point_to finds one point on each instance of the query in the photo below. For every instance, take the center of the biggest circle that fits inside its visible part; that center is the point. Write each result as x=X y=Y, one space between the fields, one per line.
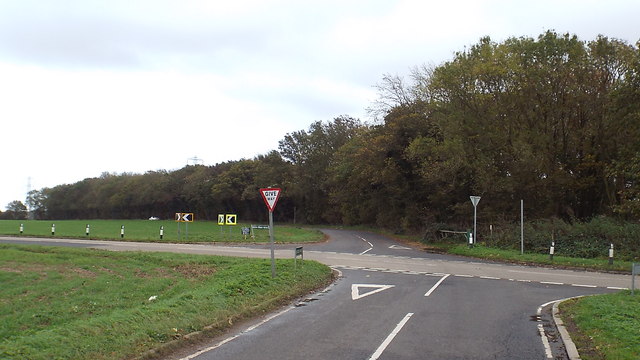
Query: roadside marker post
x=122 y=232
x=300 y=252
x=611 y=255
x=86 y=230
x=552 y=250
x=161 y=232
x=53 y=229
x=21 y=228
x=270 y=197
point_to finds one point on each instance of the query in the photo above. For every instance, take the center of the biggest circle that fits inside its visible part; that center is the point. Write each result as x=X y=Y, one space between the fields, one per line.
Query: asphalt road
x=394 y=302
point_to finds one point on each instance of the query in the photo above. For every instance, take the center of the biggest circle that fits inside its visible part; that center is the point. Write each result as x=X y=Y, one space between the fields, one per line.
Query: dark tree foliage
x=554 y=121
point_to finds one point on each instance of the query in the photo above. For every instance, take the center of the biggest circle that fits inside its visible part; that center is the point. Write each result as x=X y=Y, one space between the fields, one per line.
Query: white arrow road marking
x=355 y=290
x=398 y=247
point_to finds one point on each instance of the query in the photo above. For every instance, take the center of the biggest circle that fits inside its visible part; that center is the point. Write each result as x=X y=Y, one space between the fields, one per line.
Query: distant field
x=147 y=230
x=69 y=303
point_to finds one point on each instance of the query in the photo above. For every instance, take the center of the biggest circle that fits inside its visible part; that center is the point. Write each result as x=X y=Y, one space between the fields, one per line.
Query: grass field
x=607 y=325
x=145 y=230
x=66 y=303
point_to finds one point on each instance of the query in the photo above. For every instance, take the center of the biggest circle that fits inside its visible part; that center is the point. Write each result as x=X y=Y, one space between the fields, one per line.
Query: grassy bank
x=64 y=303
x=605 y=326
x=145 y=230
x=513 y=256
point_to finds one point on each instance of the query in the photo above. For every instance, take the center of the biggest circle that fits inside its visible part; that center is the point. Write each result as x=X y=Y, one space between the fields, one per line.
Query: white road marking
x=390 y=338
x=586 y=286
x=434 y=287
x=616 y=288
x=366 y=251
x=543 y=335
x=355 y=290
x=489 y=277
x=370 y=245
x=398 y=247
x=462 y=275
x=551 y=283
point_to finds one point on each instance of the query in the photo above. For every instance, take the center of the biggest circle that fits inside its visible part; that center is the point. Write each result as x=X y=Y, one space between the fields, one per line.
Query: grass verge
x=513 y=256
x=145 y=230
x=605 y=326
x=66 y=303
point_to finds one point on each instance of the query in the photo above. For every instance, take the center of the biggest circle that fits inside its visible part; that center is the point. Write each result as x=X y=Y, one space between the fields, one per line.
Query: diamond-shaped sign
x=270 y=197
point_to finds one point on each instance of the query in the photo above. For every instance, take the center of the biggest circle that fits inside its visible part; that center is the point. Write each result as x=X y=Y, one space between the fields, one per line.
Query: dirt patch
x=11 y=270
x=82 y=272
x=195 y=270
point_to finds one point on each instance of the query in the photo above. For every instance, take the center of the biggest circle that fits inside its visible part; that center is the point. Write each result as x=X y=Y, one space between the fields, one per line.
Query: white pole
x=475 y=236
x=521 y=227
x=273 y=262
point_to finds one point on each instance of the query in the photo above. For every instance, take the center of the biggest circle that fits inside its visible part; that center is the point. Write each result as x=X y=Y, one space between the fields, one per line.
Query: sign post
x=475 y=200
x=270 y=197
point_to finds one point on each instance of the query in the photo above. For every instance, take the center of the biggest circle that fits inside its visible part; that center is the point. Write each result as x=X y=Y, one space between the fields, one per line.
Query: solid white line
x=436 y=285
x=586 y=286
x=389 y=338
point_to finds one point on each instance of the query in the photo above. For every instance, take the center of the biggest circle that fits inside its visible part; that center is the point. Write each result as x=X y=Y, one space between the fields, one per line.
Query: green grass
x=607 y=325
x=481 y=251
x=66 y=303
x=145 y=230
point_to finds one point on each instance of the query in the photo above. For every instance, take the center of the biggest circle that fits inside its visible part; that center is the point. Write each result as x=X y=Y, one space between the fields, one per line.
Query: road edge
x=569 y=345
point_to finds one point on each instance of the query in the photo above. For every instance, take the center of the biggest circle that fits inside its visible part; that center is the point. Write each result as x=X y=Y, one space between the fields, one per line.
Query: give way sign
x=270 y=197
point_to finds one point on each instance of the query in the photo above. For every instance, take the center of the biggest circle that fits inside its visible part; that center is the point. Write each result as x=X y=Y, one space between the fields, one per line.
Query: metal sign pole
x=273 y=262
x=475 y=235
x=521 y=227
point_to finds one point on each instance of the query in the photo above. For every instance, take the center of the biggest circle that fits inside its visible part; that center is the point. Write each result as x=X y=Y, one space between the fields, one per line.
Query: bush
x=581 y=239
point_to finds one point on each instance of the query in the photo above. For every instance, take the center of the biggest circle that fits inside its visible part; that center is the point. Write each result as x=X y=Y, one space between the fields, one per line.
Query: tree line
x=552 y=120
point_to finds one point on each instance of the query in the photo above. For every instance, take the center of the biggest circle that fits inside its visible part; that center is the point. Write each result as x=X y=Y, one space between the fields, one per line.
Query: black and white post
x=122 y=232
x=552 y=249
x=611 y=255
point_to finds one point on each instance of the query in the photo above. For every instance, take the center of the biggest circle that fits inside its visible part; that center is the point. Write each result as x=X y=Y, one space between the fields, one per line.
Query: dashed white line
x=551 y=283
x=464 y=276
x=489 y=277
x=585 y=286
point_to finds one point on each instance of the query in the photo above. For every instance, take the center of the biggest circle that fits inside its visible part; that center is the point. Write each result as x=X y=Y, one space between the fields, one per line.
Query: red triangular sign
x=270 y=197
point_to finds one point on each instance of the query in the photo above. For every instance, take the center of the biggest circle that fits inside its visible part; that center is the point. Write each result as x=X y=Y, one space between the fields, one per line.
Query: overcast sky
x=91 y=86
